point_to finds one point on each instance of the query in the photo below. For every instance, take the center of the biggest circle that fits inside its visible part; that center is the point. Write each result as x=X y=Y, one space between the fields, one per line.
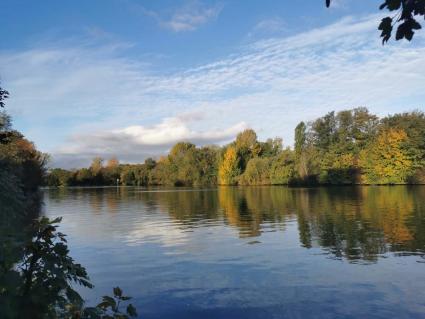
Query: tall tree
x=247 y=147
x=300 y=144
x=229 y=168
x=300 y=138
x=183 y=164
x=324 y=129
x=96 y=165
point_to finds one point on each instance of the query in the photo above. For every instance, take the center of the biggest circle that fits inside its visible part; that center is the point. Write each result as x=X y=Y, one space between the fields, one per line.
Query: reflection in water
x=215 y=252
x=353 y=223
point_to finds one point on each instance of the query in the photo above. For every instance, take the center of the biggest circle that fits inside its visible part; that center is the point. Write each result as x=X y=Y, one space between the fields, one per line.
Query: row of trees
x=348 y=147
x=355 y=146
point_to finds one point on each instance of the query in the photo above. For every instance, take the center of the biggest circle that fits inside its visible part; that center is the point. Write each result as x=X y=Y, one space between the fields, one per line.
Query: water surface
x=253 y=252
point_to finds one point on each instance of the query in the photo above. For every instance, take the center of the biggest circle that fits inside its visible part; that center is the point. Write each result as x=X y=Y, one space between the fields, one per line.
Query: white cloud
x=136 y=143
x=339 y=4
x=267 y=27
x=187 y=18
x=270 y=84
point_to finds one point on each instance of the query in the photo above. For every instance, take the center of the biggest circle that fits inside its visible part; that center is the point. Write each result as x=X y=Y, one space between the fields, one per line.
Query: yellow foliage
x=343 y=161
x=229 y=170
x=385 y=160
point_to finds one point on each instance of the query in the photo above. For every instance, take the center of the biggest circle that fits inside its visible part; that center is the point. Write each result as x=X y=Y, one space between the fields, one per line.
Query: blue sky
x=129 y=78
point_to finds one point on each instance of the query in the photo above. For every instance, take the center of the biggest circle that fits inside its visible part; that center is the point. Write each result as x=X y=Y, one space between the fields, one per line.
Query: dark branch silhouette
x=404 y=19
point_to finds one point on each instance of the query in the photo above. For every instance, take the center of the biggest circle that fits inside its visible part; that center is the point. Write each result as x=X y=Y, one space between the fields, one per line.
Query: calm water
x=266 y=252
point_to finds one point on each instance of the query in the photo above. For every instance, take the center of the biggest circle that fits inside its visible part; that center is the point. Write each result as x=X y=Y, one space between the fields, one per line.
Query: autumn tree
x=229 y=167
x=111 y=171
x=386 y=160
x=413 y=123
x=332 y=149
x=96 y=168
x=127 y=176
x=96 y=165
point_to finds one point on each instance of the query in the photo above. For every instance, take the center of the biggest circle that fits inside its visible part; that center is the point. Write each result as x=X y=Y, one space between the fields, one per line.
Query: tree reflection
x=353 y=223
x=358 y=224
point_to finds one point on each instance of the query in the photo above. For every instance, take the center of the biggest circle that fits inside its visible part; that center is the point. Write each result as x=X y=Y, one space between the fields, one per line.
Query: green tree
x=300 y=138
x=84 y=177
x=150 y=163
x=127 y=176
x=59 y=177
x=300 y=145
x=257 y=172
x=247 y=147
x=364 y=128
x=207 y=165
x=323 y=131
x=96 y=165
x=111 y=171
x=271 y=147
x=96 y=170
x=282 y=168
x=182 y=161
x=161 y=173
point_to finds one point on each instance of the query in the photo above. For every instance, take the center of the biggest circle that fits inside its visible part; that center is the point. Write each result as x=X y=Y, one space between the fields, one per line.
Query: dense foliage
x=36 y=272
x=21 y=165
x=37 y=278
x=348 y=147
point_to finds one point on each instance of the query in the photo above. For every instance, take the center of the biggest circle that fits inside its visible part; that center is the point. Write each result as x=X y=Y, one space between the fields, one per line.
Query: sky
x=130 y=78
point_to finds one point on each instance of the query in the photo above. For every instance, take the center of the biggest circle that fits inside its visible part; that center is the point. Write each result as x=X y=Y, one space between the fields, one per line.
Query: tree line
x=346 y=147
